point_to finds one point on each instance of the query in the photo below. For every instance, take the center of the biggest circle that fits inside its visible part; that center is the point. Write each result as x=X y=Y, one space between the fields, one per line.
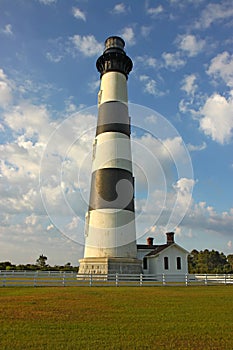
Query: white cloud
x=77 y=13
x=221 y=66
x=7 y=30
x=149 y=85
x=88 y=45
x=73 y=224
x=47 y=2
x=145 y=31
x=173 y=61
x=31 y=220
x=229 y=244
x=119 y=8
x=184 y=185
x=147 y=61
x=128 y=35
x=215 y=12
x=31 y=120
x=217 y=121
x=207 y=219
x=94 y=85
x=5 y=90
x=190 y=44
x=192 y=148
x=154 y=11
x=53 y=58
x=188 y=84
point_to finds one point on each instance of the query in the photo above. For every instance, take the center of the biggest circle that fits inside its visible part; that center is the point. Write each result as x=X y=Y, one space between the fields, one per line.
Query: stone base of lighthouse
x=109 y=265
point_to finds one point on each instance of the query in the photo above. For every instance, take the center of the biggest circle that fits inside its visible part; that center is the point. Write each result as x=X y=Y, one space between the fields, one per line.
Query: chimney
x=149 y=240
x=170 y=237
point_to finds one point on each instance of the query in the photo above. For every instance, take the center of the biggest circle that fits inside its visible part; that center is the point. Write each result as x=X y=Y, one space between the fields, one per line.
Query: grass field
x=116 y=318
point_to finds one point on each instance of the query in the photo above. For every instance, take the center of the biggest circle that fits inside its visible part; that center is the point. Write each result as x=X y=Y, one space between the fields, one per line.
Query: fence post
x=164 y=280
x=64 y=279
x=90 y=279
x=186 y=279
x=36 y=272
x=4 y=280
x=206 y=280
x=225 y=279
x=117 y=281
x=141 y=279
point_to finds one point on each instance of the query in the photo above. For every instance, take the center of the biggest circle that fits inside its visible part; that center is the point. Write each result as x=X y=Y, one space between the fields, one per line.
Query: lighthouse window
x=166 y=267
x=178 y=263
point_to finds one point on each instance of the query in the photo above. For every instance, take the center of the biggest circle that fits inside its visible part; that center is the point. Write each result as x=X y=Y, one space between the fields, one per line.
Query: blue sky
x=183 y=78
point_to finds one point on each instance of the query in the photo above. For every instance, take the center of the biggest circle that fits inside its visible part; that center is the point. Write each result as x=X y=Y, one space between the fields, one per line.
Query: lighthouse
x=110 y=233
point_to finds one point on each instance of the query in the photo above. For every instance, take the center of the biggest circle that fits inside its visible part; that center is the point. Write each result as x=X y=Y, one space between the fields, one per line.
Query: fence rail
x=57 y=278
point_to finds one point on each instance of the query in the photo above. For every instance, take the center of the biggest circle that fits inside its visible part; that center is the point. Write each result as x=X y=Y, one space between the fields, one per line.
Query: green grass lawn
x=116 y=318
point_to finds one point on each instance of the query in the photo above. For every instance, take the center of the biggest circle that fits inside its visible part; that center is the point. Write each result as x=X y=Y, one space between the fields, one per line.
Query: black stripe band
x=113 y=116
x=117 y=127
x=112 y=188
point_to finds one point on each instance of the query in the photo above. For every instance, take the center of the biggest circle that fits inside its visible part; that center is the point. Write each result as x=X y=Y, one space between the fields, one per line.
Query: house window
x=166 y=263
x=145 y=263
x=178 y=263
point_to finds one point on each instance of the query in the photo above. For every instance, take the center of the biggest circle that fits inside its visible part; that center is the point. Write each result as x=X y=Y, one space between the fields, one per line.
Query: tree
x=4 y=265
x=208 y=262
x=41 y=261
x=230 y=261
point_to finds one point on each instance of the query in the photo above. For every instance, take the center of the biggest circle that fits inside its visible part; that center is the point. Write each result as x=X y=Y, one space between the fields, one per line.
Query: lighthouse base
x=110 y=266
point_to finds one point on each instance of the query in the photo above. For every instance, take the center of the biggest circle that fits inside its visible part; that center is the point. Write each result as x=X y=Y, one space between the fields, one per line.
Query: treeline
x=203 y=261
x=41 y=264
x=207 y=261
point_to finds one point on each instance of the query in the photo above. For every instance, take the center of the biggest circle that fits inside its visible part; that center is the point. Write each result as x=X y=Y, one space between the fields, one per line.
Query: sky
x=181 y=107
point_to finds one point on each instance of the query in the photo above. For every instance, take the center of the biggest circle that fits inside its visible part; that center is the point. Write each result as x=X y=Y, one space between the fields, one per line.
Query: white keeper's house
x=168 y=258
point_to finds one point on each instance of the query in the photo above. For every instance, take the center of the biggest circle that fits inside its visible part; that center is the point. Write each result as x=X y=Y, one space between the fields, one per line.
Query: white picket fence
x=57 y=278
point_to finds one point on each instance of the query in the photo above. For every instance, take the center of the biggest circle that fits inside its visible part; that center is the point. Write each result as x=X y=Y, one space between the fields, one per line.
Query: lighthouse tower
x=110 y=243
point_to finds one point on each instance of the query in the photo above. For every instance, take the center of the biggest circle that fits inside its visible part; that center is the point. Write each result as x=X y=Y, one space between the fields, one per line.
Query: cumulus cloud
x=193 y=148
x=173 y=61
x=215 y=12
x=47 y=2
x=119 y=8
x=217 y=121
x=30 y=120
x=128 y=35
x=147 y=61
x=5 y=90
x=145 y=31
x=53 y=58
x=34 y=136
x=190 y=44
x=154 y=11
x=178 y=209
x=150 y=85
x=7 y=30
x=221 y=66
x=188 y=84
x=206 y=218
x=94 y=85
x=87 y=45
x=77 y=13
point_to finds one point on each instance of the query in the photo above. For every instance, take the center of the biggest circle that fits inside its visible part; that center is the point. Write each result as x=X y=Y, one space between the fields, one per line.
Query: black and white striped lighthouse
x=110 y=244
